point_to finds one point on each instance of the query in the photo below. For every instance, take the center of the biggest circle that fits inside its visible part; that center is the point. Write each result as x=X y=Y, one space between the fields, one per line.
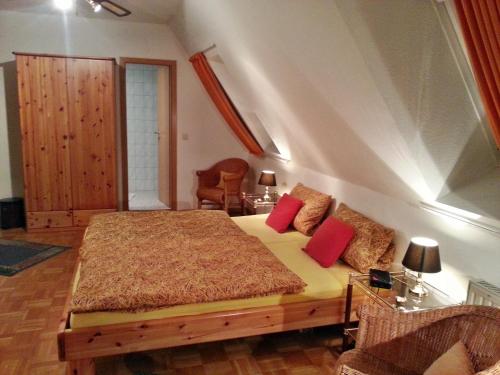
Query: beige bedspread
x=135 y=261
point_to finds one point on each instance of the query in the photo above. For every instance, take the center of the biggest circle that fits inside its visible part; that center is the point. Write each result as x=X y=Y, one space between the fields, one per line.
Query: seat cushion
x=211 y=193
x=223 y=174
x=455 y=360
x=366 y=363
x=370 y=243
x=329 y=241
x=315 y=206
x=283 y=214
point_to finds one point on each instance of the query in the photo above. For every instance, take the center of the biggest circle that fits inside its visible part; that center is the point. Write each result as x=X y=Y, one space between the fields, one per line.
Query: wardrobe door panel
x=91 y=91
x=44 y=130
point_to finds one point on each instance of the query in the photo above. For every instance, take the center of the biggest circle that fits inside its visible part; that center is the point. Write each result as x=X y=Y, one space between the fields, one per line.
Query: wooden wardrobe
x=67 y=113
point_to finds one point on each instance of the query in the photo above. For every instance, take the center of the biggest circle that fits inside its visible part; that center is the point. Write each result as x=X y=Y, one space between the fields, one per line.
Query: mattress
x=322 y=283
x=255 y=225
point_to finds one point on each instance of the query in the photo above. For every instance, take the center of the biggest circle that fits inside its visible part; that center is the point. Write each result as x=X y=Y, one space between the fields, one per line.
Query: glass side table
x=254 y=204
x=398 y=298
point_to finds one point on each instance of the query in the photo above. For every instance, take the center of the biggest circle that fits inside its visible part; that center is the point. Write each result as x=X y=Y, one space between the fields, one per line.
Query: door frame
x=172 y=64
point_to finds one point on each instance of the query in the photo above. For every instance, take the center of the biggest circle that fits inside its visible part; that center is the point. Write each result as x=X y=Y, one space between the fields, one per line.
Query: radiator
x=483 y=293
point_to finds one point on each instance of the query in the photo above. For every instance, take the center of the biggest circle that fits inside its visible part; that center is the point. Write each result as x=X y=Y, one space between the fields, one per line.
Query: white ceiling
x=150 y=11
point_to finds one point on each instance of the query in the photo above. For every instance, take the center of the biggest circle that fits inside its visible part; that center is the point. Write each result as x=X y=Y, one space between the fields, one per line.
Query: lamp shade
x=422 y=255
x=267 y=178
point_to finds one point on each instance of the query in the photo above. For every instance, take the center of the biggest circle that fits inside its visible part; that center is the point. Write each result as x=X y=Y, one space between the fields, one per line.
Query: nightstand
x=254 y=204
x=398 y=298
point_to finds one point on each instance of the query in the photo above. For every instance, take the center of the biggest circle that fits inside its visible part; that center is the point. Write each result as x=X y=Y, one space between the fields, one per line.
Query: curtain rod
x=209 y=48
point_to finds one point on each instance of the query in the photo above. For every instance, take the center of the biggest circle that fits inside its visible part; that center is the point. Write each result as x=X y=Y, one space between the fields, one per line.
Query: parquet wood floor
x=31 y=304
x=290 y=353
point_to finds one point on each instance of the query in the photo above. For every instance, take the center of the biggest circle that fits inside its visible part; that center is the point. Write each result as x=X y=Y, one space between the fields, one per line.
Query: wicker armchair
x=208 y=180
x=397 y=343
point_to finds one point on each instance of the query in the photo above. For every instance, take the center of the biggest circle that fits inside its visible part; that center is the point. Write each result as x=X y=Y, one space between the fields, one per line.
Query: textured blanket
x=140 y=261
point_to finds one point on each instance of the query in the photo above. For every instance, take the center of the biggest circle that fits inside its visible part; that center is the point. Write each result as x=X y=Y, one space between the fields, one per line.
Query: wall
x=5 y=181
x=349 y=87
x=11 y=170
x=203 y=137
x=424 y=87
x=466 y=251
x=163 y=95
x=142 y=127
x=366 y=100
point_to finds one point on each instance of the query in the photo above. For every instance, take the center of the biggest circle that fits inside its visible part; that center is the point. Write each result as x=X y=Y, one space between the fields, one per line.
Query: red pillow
x=329 y=241
x=283 y=214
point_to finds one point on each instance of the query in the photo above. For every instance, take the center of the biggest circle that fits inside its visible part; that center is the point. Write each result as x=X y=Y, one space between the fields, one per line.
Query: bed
x=85 y=335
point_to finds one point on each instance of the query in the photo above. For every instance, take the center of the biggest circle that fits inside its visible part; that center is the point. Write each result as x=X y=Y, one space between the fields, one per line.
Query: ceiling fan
x=110 y=6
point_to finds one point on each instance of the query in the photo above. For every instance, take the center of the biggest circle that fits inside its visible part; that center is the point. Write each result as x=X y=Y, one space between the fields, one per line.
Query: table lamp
x=422 y=256
x=267 y=178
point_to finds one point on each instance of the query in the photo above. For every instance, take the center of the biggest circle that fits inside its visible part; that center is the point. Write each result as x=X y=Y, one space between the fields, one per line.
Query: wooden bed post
x=85 y=366
x=81 y=367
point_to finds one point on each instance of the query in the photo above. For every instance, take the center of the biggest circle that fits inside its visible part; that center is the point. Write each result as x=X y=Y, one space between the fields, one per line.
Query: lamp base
x=419 y=289
x=266 y=196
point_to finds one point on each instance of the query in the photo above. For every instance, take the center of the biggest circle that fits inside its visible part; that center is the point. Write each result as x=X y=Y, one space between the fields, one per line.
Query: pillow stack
x=304 y=207
x=349 y=235
x=283 y=214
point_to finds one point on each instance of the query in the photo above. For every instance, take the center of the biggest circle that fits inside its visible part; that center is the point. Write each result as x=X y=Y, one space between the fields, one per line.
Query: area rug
x=16 y=256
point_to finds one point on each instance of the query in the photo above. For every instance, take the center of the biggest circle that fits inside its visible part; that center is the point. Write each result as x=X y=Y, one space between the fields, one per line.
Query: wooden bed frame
x=80 y=346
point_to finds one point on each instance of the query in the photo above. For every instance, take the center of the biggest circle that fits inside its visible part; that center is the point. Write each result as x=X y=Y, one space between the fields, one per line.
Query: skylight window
x=251 y=118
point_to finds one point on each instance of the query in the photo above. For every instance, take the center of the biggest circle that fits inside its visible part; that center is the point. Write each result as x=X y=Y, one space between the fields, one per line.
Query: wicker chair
x=407 y=344
x=208 y=180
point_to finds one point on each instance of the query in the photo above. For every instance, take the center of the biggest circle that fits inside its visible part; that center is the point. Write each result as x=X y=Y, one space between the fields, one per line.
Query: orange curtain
x=224 y=104
x=480 y=22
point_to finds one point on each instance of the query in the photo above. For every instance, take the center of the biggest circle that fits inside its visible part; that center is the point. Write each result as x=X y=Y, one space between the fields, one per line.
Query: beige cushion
x=315 y=206
x=348 y=370
x=385 y=261
x=455 y=361
x=211 y=194
x=370 y=246
x=223 y=174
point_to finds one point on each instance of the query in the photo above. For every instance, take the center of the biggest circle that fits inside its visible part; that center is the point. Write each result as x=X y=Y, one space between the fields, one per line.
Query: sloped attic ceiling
x=366 y=91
